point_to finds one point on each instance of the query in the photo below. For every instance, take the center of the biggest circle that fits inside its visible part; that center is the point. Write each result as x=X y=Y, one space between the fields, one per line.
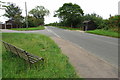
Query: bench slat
x=23 y=54
x=13 y=49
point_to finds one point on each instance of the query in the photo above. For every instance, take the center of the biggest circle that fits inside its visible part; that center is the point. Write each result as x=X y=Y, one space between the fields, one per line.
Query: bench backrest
x=21 y=53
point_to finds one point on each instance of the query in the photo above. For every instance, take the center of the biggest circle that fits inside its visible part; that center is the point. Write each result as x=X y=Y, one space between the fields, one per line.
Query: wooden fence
x=22 y=53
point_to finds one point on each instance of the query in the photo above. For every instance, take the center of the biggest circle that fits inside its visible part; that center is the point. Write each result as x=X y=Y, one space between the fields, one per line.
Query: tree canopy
x=70 y=14
x=39 y=12
x=11 y=11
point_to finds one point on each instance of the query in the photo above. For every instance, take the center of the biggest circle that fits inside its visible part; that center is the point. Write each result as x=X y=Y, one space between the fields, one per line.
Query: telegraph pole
x=26 y=18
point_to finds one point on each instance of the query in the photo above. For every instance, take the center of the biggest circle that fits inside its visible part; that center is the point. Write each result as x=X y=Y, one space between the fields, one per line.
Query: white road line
x=52 y=32
x=49 y=30
x=45 y=27
x=55 y=34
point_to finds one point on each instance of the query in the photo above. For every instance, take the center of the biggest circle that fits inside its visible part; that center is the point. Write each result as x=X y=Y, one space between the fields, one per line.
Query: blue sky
x=101 y=7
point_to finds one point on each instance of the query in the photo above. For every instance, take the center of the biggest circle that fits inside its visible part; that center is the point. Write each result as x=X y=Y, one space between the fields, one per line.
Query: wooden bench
x=22 y=53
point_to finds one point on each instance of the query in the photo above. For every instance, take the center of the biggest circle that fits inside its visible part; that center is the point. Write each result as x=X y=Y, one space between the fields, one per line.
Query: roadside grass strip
x=55 y=65
x=29 y=29
x=105 y=33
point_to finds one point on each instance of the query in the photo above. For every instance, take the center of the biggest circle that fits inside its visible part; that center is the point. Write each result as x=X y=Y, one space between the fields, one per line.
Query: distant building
x=89 y=25
x=8 y=25
x=2 y=26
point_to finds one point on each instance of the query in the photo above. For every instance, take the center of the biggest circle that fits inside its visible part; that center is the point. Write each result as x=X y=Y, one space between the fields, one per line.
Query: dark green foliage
x=114 y=23
x=95 y=18
x=70 y=14
x=104 y=25
x=38 y=14
x=13 y=12
x=33 y=22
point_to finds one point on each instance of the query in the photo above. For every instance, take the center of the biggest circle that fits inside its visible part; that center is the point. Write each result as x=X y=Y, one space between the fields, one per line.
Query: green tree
x=33 y=22
x=114 y=23
x=70 y=14
x=11 y=11
x=19 y=20
x=39 y=12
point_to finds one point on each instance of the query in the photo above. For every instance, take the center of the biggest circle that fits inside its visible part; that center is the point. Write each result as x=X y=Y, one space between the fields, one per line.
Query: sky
x=101 y=7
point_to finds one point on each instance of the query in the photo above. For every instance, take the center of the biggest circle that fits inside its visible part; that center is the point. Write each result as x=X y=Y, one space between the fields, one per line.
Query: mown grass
x=29 y=29
x=104 y=33
x=56 y=64
x=68 y=28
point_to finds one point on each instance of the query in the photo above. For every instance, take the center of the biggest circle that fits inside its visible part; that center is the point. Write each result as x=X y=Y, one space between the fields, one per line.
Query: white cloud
x=102 y=7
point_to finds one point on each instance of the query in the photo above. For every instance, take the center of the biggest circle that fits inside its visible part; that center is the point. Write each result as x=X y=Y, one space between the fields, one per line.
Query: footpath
x=85 y=64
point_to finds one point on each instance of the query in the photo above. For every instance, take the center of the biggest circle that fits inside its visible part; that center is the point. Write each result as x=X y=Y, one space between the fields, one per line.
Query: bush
x=33 y=22
x=98 y=20
x=113 y=24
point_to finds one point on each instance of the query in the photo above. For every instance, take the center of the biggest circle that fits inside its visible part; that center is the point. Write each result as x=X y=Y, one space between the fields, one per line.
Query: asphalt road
x=105 y=48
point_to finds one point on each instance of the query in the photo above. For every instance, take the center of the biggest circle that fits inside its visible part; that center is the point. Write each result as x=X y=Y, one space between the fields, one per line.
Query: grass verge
x=105 y=33
x=56 y=64
x=29 y=29
x=68 y=28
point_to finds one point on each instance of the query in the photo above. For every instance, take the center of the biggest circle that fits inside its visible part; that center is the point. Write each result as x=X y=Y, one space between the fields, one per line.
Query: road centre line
x=52 y=32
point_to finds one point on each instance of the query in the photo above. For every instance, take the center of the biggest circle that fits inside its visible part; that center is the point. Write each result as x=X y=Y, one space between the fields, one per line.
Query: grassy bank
x=68 y=28
x=29 y=29
x=56 y=64
x=105 y=33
